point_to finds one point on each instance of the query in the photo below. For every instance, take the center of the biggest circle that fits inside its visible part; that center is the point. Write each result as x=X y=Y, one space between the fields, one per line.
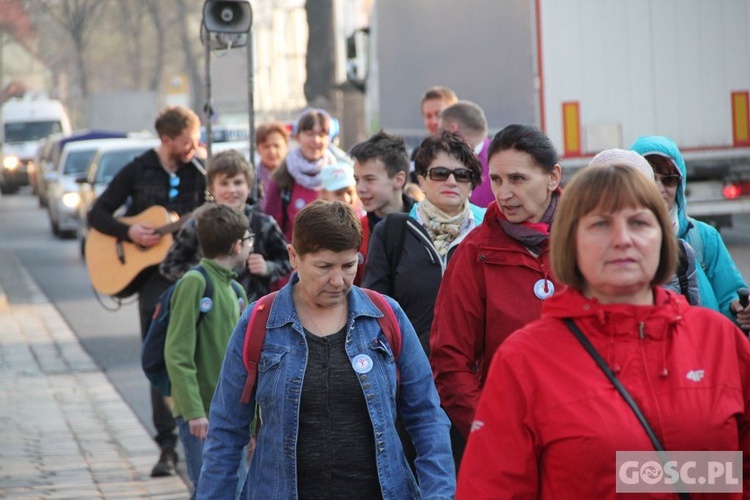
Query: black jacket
x=417 y=275
x=142 y=184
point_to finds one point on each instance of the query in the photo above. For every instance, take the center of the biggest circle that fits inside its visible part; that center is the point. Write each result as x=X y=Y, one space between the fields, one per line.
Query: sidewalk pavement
x=66 y=432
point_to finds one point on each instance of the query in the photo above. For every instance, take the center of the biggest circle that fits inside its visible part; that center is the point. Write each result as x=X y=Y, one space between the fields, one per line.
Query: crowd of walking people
x=440 y=344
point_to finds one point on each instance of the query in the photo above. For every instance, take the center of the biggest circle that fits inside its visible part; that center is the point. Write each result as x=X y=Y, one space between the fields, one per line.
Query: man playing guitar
x=169 y=176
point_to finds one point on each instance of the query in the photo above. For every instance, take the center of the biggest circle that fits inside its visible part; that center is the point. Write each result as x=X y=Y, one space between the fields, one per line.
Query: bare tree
x=189 y=33
x=159 y=49
x=77 y=18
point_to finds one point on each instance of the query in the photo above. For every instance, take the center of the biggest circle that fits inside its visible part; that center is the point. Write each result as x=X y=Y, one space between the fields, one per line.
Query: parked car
x=62 y=189
x=107 y=161
x=49 y=156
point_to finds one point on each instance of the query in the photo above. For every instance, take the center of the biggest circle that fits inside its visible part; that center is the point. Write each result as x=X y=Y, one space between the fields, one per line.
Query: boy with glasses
x=169 y=176
x=194 y=348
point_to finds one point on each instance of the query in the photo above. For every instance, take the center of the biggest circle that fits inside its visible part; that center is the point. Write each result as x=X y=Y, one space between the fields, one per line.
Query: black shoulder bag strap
x=620 y=388
x=395 y=235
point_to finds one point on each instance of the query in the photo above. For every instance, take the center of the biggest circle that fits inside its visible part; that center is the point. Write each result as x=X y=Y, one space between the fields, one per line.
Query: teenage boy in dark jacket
x=381 y=170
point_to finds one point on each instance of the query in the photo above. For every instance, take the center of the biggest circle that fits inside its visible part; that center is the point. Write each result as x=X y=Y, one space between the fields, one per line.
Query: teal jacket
x=194 y=355
x=718 y=276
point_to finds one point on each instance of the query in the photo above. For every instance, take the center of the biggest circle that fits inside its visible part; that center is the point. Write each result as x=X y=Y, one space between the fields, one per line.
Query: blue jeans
x=193 y=452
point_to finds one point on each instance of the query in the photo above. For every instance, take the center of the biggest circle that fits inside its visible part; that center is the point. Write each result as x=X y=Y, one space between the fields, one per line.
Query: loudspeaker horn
x=227 y=16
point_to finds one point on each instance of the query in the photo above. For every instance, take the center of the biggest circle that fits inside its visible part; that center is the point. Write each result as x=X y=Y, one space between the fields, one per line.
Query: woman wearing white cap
x=685 y=280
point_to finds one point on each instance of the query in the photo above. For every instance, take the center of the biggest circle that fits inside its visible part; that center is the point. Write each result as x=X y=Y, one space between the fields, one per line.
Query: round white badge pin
x=206 y=304
x=362 y=363
x=544 y=289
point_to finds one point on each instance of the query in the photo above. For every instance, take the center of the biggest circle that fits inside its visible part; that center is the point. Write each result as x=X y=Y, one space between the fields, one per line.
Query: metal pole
x=251 y=111
x=209 y=105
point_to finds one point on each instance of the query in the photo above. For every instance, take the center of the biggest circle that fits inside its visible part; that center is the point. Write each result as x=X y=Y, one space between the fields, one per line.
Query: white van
x=24 y=123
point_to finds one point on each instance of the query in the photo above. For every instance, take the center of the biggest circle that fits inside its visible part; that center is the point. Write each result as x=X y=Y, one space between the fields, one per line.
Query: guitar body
x=118 y=268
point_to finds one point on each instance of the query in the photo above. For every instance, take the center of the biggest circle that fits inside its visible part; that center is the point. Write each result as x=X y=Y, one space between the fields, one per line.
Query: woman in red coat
x=549 y=422
x=499 y=276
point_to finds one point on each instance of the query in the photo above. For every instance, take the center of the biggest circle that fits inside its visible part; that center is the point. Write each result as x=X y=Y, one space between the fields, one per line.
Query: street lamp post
x=230 y=22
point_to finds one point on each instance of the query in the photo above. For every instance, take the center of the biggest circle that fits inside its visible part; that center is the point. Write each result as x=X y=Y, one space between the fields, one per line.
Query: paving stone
x=67 y=433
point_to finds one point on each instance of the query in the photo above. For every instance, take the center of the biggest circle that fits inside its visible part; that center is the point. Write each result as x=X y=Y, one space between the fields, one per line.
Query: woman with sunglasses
x=447 y=171
x=718 y=276
x=500 y=276
x=408 y=254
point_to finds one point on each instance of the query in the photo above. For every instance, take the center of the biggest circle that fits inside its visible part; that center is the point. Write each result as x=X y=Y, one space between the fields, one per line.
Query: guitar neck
x=173 y=226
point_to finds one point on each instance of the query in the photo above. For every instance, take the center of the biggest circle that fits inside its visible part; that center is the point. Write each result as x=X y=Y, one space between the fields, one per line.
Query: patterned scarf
x=305 y=172
x=441 y=227
x=532 y=235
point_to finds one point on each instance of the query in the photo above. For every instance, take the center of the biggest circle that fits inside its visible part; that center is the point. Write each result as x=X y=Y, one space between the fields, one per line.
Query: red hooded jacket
x=549 y=421
x=487 y=293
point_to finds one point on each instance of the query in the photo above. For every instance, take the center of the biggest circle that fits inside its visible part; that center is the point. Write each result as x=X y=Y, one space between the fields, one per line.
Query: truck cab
x=24 y=123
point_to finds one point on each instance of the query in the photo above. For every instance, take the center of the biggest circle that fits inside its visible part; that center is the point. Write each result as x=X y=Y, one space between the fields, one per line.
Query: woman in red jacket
x=499 y=276
x=549 y=422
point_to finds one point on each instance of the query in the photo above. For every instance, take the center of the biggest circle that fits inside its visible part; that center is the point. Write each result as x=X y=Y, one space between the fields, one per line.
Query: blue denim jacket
x=281 y=371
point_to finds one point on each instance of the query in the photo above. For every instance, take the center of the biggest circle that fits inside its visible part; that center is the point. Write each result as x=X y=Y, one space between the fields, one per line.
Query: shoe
x=166 y=464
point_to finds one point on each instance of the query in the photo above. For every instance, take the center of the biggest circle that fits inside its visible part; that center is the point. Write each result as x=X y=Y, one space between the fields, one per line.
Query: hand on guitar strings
x=143 y=235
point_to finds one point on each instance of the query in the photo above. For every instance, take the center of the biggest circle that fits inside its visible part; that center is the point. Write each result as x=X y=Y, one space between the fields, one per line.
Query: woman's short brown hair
x=266 y=129
x=609 y=188
x=326 y=225
x=451 y=144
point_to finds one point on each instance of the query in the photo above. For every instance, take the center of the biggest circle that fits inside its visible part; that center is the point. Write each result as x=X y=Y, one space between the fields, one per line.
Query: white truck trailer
x=593 y=74
x=24 y=123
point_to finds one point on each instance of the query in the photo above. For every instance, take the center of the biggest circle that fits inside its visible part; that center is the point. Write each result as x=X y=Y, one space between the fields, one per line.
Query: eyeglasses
x=442 y=173
x=250 y=237
x=174 y=181
x=668 y=181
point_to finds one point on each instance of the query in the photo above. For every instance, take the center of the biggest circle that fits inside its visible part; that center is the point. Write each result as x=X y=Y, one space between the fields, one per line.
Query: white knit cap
x=622 y=157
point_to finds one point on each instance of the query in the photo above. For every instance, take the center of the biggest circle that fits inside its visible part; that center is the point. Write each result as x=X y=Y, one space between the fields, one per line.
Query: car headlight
x=10 y=162
x=71 y=200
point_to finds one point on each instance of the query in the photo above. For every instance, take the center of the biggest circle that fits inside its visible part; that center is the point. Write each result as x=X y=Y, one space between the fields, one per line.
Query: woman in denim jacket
x=327 y=388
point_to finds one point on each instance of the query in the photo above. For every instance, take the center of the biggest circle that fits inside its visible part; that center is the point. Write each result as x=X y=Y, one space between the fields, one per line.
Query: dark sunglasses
x=668 y=181
x=174 y=181
x=442 y=174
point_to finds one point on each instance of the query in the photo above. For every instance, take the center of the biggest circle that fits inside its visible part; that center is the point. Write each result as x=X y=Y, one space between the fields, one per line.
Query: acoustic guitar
x=117 y=267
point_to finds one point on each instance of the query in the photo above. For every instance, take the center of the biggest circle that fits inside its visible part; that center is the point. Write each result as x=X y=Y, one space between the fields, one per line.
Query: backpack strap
x=389 y=324
x=286 y=198
x=208 y=292
x=395 y=235
x=238 y=292
x=682 y=268
x=255 y=335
